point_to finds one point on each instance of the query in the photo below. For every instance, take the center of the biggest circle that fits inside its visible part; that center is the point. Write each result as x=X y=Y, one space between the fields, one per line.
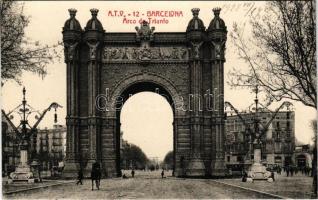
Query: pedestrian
x=133 y=173
x=96 y=175
x=244 y=178
x=162 y=173
x=287 y=171
x=291 y=171
x=273 y=175
x=39 y=173
x=80 y=176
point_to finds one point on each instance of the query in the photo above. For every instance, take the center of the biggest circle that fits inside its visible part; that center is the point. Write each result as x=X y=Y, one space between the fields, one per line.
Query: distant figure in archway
x=133 y=173
x=96 y=175
x=80 y=177
x=244 y=177
x=124 y=176
x=162 y=173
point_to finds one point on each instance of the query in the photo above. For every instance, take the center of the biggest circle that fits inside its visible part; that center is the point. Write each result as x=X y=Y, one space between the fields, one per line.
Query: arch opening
x=141 y=106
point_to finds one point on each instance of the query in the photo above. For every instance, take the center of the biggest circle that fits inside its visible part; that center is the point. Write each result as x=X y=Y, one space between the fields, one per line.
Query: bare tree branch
x=19 y=53
x=281 y=52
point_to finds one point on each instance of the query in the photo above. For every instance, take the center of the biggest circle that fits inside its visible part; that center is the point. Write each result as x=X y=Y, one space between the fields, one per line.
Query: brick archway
x=182 y=64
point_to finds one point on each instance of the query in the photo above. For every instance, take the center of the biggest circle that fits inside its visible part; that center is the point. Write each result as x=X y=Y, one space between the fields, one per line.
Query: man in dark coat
x=96 y=175
x=80 y=177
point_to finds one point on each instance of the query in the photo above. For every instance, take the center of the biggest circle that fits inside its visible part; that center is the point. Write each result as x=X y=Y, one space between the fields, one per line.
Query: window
x=288 y=125
x=277 y=125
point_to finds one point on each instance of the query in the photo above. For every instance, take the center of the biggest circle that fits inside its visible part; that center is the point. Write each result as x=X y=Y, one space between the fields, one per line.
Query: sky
x=47 y=20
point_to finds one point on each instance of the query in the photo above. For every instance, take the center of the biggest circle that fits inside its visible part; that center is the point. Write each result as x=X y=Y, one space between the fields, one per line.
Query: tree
x=168 y=160
x=314 y=128
x=280 y=52
x=19 y=53
x=133 y=153
x=314 y=162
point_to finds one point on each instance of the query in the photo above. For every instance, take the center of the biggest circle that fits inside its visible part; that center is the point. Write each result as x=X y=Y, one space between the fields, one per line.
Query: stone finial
x=72 y=12
x=195 y=11
x=216 y=11
x=94 y=12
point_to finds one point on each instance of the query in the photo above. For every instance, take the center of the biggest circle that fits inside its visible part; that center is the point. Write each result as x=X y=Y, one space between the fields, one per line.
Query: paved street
x=298 y=186
x=21 y=187
x=145 y=185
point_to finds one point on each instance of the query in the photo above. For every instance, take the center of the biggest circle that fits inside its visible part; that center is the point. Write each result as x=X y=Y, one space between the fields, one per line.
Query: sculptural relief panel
x=144 y=53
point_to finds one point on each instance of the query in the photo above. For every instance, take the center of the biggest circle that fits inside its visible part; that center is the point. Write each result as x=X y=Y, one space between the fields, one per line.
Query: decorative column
x=217 y=38
x=195 y=36
x=93 y=38
x=71 y=38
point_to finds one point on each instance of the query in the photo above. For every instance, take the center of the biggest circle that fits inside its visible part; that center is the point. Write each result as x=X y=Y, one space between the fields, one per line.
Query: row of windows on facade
x=267 y=115
x=277 y=159
x=266 y=148
x=233 y=137
x=237 y=126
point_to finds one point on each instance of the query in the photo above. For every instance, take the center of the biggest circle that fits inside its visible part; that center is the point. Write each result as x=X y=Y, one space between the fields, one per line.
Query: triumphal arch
x=105 y=68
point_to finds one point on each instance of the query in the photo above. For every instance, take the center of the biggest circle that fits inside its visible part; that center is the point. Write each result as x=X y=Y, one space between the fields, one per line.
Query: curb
x=35 y=188
x=249 y=189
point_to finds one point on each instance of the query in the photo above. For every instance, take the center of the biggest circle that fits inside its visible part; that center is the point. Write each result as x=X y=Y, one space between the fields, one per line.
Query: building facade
x=10 y=147
x=277 y=143
x=51 y=146
x=303 y=156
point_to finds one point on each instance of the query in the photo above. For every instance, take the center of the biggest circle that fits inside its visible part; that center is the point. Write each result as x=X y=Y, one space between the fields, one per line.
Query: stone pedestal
x=258 y=171
x=24 y=157
x=196 y=167
x=23 y=171
x=257 y=155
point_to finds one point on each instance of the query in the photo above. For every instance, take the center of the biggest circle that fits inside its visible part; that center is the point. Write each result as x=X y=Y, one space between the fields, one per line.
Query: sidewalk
x=22 y=187
x=298 y=186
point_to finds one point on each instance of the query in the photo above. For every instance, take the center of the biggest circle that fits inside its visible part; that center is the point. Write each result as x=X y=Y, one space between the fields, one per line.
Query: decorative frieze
x=145 y=53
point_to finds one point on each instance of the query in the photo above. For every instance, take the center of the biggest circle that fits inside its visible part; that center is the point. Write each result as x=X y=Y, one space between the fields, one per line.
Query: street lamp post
x=257 y=170
x=24 y=132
